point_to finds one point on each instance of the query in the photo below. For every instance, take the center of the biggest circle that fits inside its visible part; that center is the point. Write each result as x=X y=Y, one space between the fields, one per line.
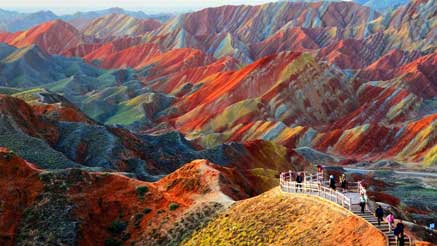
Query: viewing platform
x=315 y=184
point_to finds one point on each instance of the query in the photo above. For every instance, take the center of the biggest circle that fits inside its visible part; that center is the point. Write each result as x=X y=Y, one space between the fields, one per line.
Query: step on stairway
x=374 y=221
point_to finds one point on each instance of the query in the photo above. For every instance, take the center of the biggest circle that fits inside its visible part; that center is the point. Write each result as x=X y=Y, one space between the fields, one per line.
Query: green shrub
x=125 y=236
x=141 y=191
x=117 y=226
x=8 y=156
x=147 y=210
x=137 y=219
x=173 y=206
x=113 y=242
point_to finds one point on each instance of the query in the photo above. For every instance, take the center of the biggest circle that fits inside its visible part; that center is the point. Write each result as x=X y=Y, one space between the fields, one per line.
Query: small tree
x=173 y=206
x=8 y=156
x=141 y=191
x=117 y=226
x=113 y=242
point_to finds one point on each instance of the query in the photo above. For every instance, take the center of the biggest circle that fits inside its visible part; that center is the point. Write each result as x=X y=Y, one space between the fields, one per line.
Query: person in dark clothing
x=332 y=182
x=299 y=180
x=379 y=212
x=399 y=229
x=363 y=201
x=401 y=226
x=401 y=240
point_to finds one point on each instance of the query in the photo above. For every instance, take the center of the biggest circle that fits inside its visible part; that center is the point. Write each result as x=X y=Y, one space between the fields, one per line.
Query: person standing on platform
x=332 y=182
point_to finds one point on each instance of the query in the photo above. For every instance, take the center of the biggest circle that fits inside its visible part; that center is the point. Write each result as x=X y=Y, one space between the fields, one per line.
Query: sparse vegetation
x=137 y=219
x=173 y=206
x=275 y=219
x=141 y=191
x=8 y=156
x=113 y=242
x=117 y=226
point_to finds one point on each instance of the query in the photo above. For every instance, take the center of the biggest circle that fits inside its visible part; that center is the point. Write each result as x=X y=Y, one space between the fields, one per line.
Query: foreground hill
x=275 y=218
x=85 y=208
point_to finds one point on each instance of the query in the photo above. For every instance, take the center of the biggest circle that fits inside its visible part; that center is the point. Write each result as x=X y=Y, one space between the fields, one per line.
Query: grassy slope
x=274 y=218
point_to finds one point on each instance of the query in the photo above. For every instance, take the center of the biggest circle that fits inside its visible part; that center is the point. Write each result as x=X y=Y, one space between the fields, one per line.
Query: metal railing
x=315 y=184
x=312 y=186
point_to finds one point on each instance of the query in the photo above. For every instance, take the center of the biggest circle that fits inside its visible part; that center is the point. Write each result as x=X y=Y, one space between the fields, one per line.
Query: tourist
x=401 y=226
x=400 y=240
x=319 y=168
x=299 y=180
x=390 y=220
x=399 y=229
x=363 y=201
x=332 y=182
x=379 y=213
x=343 y=182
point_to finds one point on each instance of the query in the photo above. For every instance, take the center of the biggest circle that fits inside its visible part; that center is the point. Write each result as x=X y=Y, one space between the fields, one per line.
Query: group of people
x=379 y=212
x=299 y=178
x=343 y=182
x=398 y=230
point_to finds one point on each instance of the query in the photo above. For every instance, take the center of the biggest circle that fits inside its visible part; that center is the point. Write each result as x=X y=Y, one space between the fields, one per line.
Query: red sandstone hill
x=174 y=61
x=25 y=118
x=117 y=25
x=99 y=50
x=52 y=37
x=347 y=38
x=383 y=68
x=106 y=206
x=412 y=141
x=412 y=72
x=259 y=91
x=184 y=81
x=251 y=24
x=132 y=56
x=20 y=186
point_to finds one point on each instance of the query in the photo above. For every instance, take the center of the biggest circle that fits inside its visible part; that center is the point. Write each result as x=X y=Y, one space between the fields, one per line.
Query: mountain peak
x=50 y=36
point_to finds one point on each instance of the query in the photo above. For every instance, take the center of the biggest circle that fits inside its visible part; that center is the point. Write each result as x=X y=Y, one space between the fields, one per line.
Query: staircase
x=350 y=200
x=374 y=221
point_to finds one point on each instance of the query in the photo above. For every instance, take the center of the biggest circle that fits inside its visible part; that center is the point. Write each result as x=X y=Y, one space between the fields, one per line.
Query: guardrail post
x=288 y=186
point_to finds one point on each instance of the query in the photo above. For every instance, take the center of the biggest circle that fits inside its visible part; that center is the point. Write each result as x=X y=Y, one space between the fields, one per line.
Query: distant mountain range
x=12 y=21
x=378 y=5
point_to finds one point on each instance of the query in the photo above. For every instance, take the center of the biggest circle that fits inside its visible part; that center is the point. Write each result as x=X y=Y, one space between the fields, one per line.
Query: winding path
x=315 y=185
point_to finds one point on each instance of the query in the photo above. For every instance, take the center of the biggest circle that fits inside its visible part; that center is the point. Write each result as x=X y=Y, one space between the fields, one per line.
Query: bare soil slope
x=276 y=218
